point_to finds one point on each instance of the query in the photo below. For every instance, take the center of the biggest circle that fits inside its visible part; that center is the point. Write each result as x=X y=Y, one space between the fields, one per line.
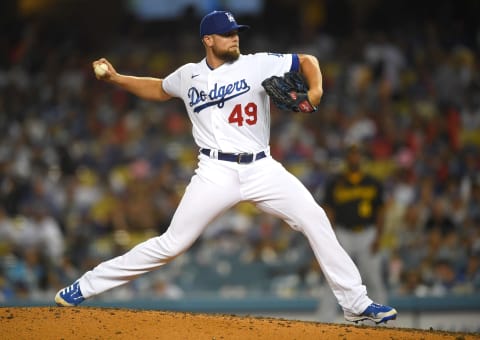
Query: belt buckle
x=241 y=155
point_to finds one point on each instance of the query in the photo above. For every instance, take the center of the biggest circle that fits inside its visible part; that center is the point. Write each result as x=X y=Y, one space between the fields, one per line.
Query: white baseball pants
x=217 y=186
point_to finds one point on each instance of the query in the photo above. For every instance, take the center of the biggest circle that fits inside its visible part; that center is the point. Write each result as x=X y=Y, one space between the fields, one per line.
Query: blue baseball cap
x=219 y=22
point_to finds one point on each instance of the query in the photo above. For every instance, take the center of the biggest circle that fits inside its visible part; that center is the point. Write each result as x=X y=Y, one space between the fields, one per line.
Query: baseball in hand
x=101 y=69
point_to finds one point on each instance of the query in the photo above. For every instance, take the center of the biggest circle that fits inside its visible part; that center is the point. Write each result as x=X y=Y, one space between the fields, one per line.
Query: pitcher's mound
x=106 y=323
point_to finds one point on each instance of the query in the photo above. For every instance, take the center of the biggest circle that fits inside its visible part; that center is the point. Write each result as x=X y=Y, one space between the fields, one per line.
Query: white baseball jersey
x=228 y=106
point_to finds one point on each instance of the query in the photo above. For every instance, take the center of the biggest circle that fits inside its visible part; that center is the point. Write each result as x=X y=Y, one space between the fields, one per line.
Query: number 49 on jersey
x=241 y=114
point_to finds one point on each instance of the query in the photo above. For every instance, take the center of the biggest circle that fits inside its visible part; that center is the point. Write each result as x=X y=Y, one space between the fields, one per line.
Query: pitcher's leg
x=340 y=271
x=283 y=195
x=199 y=206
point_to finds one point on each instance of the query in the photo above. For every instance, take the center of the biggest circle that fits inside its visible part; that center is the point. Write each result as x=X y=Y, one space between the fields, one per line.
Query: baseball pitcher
x=226 y=96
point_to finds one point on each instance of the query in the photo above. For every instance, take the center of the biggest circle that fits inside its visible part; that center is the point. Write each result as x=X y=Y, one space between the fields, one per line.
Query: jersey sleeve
x=172 y=84
x=276 y=64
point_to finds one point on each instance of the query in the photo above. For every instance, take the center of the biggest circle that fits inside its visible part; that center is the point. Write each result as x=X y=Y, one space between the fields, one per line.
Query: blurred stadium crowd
x=87 y=170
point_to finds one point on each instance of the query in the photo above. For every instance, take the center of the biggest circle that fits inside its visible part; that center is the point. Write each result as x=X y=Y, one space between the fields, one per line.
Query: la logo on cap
x=230 y=16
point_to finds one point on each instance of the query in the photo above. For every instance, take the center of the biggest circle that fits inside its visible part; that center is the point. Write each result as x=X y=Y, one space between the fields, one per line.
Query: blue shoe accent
x=375 y=312
x=70 y=296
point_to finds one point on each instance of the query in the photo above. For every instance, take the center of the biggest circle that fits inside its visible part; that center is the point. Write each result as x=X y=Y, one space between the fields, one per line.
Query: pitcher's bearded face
x=226 y=46
x=230 y=54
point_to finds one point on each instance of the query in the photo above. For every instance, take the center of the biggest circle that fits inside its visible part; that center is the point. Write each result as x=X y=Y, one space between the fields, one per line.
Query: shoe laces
x=72 y=289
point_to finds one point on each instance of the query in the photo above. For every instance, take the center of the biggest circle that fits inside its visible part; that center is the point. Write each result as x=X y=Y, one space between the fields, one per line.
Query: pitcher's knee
x=314 y=214
x=169 y=247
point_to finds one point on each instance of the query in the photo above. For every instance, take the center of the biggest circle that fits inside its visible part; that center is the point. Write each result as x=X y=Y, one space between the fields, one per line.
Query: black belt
x=241 y=158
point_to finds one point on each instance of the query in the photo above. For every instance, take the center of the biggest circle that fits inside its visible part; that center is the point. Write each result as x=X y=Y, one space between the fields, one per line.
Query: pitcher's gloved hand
x=289 y=92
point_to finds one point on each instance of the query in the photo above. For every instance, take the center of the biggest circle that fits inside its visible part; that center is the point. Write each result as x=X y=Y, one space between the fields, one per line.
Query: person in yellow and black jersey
x=354 y=202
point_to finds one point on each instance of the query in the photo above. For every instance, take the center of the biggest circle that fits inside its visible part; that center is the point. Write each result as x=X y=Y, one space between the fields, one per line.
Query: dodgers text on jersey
x=218 y=95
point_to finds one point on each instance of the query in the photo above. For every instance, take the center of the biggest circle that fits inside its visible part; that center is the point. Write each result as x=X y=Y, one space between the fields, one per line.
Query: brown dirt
x=109 y=323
